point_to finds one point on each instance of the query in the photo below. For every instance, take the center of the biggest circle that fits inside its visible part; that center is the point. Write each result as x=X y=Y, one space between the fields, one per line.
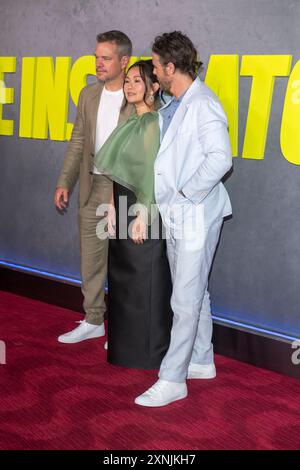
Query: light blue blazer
x=194 y=155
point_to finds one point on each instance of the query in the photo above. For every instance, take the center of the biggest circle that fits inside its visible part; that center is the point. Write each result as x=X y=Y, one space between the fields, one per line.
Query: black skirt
x=139 y=292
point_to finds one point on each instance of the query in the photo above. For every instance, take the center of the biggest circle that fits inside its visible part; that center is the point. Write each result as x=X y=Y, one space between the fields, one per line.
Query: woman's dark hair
x=178 y=49
x=147 y=75
x=122 y=41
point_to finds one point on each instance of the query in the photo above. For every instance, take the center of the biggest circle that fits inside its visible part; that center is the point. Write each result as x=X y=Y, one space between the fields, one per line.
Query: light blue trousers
x=191 y=334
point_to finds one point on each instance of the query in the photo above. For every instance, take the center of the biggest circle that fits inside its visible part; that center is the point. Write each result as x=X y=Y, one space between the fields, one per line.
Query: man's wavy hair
x=178 y=49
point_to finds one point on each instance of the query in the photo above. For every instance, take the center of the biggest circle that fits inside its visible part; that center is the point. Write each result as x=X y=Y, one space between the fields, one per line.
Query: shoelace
x=157 y=388
x=81 y=323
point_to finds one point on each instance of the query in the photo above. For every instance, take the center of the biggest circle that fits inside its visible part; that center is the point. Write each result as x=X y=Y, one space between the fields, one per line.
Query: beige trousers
x=93 y=251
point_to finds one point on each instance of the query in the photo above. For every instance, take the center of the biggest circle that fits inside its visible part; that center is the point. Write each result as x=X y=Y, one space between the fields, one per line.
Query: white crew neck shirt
x=107 y=117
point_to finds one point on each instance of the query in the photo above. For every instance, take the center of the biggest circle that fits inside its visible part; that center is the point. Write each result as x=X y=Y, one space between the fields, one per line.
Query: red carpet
x=56 y=396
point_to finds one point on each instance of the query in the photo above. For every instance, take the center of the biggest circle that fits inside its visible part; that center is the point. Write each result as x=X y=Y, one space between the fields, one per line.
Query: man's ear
x=124 y=61
x=155 y=87
x=170 y=68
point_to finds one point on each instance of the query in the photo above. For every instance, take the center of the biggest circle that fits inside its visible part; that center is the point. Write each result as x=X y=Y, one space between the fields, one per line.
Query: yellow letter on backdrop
x=83 y=67
x=7 y=65
x=290 y=124
x=27 y=96
x=222 y=77
x=51 y=98
x=264 y=69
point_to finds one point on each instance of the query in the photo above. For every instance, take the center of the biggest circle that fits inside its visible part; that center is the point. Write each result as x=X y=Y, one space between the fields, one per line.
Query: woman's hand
x=139 y=230
x=111 y=220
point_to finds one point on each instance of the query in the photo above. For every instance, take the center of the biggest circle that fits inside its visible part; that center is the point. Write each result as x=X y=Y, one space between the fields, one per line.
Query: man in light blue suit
x=193 y=158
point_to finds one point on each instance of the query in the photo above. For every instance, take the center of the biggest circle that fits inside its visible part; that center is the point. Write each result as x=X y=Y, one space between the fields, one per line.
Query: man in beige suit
x=101 y=108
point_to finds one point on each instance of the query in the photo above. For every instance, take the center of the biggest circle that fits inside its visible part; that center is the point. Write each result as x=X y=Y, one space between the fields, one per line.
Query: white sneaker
x=83 y=331
x=162 y=393
x=198 y=371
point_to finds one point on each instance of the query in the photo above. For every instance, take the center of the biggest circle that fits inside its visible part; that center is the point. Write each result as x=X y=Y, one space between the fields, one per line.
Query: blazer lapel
x=95 y=100
x=178 y=116
x=173 y=127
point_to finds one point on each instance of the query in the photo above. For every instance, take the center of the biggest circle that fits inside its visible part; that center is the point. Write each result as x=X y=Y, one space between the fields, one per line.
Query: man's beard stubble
x=165 y=86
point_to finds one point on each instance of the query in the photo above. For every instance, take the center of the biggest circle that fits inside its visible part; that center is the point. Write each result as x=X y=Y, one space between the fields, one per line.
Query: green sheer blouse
x=128 y=156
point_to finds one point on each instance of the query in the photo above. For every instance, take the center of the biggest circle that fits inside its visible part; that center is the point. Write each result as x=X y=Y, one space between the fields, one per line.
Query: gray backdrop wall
x=255 y=278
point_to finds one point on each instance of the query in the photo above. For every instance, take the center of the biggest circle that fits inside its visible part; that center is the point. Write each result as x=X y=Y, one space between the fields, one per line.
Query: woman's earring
x=150 y=98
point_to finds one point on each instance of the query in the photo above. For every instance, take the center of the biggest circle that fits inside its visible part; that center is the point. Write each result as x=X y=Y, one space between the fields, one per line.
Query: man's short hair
x=178 y=49
x=122 y=41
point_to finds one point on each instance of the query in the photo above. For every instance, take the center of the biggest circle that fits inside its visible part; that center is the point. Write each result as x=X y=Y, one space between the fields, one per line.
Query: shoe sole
x=201 y=376
x=163 y=404
x=67 y=341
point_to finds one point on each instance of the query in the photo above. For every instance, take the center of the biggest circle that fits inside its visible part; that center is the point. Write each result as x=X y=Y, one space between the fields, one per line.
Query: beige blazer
x=79 y=156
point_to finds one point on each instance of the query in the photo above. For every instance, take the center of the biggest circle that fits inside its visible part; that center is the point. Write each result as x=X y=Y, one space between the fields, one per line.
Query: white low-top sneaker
x=162 y=393
x=204 y=371
x=83 y=331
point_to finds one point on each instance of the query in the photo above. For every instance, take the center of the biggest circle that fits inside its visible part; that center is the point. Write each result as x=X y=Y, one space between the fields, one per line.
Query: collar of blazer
x=126 y=110
x=179 y=114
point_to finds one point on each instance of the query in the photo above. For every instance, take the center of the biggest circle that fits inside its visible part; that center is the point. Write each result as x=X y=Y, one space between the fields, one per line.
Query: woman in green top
x=139 y=281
